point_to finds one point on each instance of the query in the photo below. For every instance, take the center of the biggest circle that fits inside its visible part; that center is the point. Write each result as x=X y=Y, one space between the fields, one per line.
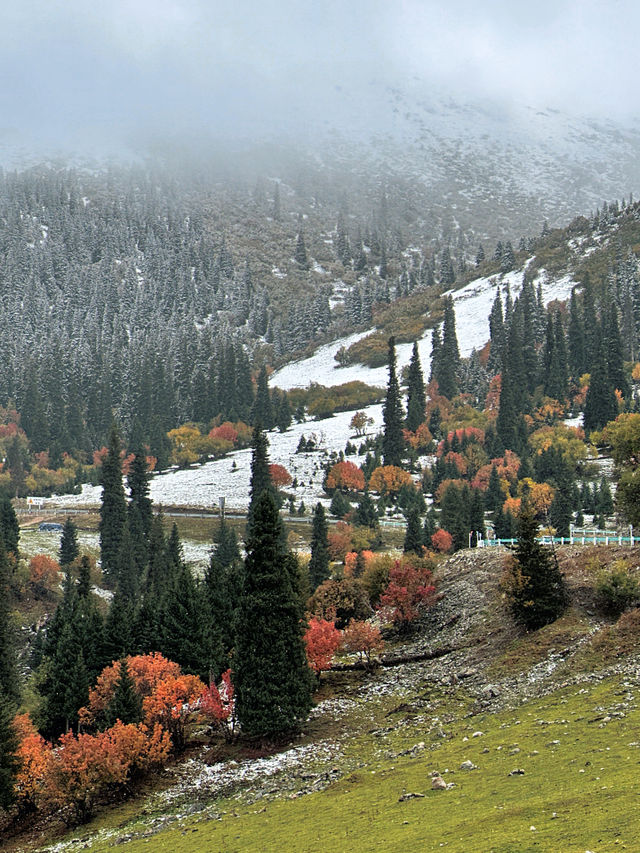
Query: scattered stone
x=468 y=765
x=486 y=749
x=438 y=784
x=467 y=673
x=490 y=690
x=410 y=796
x=517 y=771
x=514 y=751
x=477 y=734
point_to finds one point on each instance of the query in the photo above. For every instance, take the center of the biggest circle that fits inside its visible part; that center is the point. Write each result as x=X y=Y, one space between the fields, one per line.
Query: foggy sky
x=117 y=70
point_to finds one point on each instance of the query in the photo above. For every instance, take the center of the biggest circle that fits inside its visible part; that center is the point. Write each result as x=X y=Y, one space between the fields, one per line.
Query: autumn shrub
x=618 y=587
x=168 y=696
x=389 y=479
x=322 y=640
x=375 y=578
x=340 y=601
x=280 y=477
x=410 y=588
x=362 y=638
x=217 y=703
x=44 y=575
x=339 y=539
x=32 y=788
x=346 y=476
x=85 y=768
x=442 y=541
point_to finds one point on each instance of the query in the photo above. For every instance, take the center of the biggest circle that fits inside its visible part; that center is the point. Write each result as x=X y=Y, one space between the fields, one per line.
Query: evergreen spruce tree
x=365 y=514
x=9 y=526
x=476 y=516
x=413 y=537
x=9 y=764
x=561 y=509
x=538 y=594
x=272 y=678
x=189 y=636
x=300 y=254
x=416 y=396
x=260 y=476
x=113 y=509
x=429 y=528
x=601 y=405
x=614 y=350
x=392 y=439
x=496 y=334
x=454 y=516
x=577 y=360
x=494 y=497
x=126 y=702
x=262 y=412
x=319 y=562
x=8 y=670
x=339 y=505
x=449 y=357
x=138 y=483
x=68 y=543
x=222 y=586
x=119 y=640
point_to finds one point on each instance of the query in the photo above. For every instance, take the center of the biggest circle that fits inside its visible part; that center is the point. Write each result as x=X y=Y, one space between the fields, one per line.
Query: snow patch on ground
x=229 y=477
x=472 y=306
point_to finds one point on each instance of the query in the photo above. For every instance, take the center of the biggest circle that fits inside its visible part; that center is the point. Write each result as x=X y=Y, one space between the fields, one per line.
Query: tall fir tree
x=576 y=334
x=601 y=405
x=319 y=562
x=260 y=476
x=392 y=438
x=9 y=684
x=68 y=543
x=413 y=535
x=538 y=594
x=126 y=703
x=9 y=763
x=113 y=509
x=449 y=358
x=416 y=396
x=262 y=412
x=272 y=678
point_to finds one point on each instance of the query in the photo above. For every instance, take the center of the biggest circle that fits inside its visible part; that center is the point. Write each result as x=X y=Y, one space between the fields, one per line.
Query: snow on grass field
x=229 y=477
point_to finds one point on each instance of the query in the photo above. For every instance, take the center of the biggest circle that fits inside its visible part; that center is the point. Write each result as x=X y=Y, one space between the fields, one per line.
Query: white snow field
x=203 y=486
x=472 y=306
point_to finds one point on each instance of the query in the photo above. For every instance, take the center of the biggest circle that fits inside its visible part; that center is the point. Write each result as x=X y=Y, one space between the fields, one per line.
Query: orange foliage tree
x=322 y=640
x=146 y=672
x=280 y=477
x=32 y=788
x=43 y=575
x=345 y=476
x=442 y=541
x=339 y=539
x=362 y=638
x=171 y=704
x=421 y=439
x=85 y=767
x=389 y=479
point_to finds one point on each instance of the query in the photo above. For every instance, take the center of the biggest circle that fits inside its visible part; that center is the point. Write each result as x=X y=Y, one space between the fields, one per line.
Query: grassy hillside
x=559 y=704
